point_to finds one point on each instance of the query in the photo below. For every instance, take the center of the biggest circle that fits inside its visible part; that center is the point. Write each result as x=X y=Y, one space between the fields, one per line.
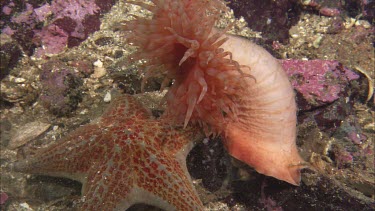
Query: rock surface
x=335 y=128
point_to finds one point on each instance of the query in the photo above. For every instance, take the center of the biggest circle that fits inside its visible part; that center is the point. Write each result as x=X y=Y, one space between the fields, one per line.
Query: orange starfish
x=123 y=158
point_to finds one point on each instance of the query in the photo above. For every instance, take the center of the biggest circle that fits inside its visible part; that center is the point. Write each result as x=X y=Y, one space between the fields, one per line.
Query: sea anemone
x=265 y=134
x=226 y=84
x=181 y=44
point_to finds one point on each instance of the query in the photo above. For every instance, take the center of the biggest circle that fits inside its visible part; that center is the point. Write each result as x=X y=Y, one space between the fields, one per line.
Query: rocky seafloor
x=58 y=72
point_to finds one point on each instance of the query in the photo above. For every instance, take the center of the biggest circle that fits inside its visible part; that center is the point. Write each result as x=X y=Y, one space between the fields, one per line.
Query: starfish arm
x=108 y=184
x=180 y=143
x=65 y=158
x=179 y=139
x=118 y=182
x=161 y=173
x=124 y=107
x=166 y=183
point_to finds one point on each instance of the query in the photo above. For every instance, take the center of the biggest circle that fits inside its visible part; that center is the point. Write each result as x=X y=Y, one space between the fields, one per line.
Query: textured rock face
x=336 y=132
x=49 y=28
x=10 y=53
x=272 y=18
x=327 y=95
x=60 y=88
x=318 y=82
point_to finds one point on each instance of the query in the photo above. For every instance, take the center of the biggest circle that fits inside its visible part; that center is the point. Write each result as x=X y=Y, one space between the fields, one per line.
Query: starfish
x=123 y=158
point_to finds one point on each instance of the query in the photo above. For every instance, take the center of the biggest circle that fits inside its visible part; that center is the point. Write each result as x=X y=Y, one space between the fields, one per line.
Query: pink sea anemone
x=226 y=84
x=207 y=82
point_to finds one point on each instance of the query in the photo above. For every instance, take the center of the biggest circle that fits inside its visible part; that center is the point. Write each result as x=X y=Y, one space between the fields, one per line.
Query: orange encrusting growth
x=180 y=43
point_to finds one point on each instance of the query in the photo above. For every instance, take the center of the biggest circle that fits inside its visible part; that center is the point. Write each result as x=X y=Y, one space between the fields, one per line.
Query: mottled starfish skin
x=123 y=158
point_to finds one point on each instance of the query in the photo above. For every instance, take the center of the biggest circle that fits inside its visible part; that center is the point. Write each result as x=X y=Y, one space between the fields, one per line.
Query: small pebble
x=107 y=97
x=26 y=206
x=99 y=70
x=295 y=35
x=19 y=80
x=363 y=23
x=98 y=63
x=317 y=41
x=27 y=133
x=84 y=111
